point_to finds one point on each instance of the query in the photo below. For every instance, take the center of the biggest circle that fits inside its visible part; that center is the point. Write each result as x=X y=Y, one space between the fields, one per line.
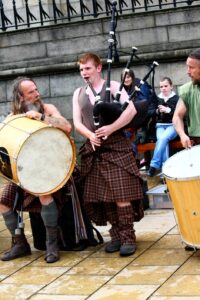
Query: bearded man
x=26 y=100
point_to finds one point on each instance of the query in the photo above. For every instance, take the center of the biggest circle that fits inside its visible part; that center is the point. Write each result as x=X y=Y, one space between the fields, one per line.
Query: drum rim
x=181 y=178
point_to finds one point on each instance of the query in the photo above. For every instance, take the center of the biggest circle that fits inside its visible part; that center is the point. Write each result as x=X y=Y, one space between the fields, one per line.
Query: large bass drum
x=182 y=174
x=37 y=157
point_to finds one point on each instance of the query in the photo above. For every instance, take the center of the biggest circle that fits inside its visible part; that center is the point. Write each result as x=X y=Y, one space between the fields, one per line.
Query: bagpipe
x=108 y=110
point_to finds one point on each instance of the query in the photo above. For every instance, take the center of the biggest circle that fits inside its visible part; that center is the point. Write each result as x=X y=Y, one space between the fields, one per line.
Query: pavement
x=160 y=269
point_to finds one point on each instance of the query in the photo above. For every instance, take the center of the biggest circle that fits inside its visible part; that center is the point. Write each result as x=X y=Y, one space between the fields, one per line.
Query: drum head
x=183 y=165
x=45 y=161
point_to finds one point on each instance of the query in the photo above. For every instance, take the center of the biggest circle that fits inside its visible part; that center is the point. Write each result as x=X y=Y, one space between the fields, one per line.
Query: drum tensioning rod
x=8 y=155
x=27 y=132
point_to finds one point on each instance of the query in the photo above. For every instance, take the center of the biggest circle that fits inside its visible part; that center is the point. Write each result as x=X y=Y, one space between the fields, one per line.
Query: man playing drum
x=188 y=107
x=189 y=103
x=26 y=99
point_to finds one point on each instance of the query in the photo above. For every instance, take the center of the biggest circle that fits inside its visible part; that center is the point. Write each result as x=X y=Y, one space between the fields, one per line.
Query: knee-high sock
x=126 y=218
x=112 y=217
x=49 y=214
x=11 y=218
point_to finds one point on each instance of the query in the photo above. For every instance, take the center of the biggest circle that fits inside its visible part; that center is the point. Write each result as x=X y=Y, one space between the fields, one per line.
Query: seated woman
x=131 y=82
x=165 y=131
x=145 y=92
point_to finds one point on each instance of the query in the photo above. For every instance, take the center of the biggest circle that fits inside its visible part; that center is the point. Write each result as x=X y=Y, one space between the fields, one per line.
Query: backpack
x=75 y=230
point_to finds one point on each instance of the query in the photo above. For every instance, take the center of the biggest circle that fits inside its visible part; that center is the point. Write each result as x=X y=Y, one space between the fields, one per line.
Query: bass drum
x=37 y=157
x=182 y=174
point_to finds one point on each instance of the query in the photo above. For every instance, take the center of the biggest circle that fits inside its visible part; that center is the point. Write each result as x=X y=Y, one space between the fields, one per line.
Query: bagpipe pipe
x=108 y=110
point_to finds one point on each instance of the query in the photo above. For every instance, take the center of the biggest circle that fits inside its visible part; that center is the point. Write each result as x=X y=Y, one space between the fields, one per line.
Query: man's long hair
x=18 y=106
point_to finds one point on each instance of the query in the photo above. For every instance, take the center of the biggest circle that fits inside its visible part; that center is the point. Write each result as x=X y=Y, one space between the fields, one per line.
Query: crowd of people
x=110 y=178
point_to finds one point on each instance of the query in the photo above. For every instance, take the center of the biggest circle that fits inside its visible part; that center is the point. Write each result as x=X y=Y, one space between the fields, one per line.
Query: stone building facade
x=49 y=54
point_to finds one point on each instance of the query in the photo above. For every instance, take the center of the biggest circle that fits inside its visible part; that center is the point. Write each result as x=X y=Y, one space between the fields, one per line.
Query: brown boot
x=19 y=248
x=52 y=252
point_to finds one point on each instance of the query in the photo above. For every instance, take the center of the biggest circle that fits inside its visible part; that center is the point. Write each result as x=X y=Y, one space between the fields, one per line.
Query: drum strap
x=80 y=230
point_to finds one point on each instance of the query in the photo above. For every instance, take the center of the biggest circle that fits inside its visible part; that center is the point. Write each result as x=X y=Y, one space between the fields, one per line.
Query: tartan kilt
x=115 y=178
x=29 y=202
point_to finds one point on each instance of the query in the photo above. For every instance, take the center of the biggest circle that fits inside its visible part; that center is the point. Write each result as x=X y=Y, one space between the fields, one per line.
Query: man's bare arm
x=52 y=117
x=178 y=122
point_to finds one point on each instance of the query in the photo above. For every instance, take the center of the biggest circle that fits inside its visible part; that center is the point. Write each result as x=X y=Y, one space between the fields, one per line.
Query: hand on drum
x=31 y=114
x=185 y=140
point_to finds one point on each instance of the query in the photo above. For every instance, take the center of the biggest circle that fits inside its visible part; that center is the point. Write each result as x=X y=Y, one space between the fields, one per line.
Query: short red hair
x=90 y=56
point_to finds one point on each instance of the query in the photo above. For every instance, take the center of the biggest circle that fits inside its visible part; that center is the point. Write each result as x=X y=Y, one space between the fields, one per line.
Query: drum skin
x=40 y=158
x=182 y=174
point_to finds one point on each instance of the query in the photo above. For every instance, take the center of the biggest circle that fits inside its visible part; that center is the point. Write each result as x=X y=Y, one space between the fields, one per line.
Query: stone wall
x=49 y=54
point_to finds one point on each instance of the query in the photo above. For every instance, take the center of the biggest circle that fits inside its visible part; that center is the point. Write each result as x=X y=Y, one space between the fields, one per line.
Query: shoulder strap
x=99 y=236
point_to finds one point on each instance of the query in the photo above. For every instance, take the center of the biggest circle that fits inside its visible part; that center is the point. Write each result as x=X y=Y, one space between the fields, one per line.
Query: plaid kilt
x=115 y=178
x=29 y=202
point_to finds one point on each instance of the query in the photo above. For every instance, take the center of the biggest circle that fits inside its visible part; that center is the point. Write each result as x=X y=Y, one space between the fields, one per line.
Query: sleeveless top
x=87 y=108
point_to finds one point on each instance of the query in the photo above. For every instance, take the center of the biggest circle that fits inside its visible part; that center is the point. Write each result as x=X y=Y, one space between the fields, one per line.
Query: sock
x=49 y=214
x=11 y=218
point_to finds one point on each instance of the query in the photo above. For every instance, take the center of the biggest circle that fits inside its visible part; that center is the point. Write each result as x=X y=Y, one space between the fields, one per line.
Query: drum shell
x=184 y=191
x=28 y=143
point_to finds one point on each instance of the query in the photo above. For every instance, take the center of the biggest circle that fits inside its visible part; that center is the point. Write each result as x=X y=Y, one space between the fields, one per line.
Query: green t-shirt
x=190 y=94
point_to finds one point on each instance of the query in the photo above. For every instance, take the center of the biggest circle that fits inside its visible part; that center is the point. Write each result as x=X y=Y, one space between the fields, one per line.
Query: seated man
x=26 y=99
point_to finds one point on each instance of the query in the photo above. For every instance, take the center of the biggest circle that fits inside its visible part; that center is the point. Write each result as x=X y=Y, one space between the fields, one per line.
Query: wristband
x=42 y=117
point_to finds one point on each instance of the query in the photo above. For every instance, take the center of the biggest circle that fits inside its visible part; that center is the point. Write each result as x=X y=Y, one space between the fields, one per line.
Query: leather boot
x=19 y=248
x=52 y=251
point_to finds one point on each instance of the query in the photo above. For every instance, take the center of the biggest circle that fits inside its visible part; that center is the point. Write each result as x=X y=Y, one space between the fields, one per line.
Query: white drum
x=182 y=174
x=35 y=156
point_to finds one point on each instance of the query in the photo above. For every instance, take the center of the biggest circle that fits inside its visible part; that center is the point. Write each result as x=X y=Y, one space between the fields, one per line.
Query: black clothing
x=171 y=103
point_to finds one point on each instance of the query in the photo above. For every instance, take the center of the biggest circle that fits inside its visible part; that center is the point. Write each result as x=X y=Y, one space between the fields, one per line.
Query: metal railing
x=42 y=14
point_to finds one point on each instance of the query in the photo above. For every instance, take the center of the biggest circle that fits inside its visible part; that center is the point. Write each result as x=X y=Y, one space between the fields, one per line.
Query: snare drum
x=182 y=173
x=37 y=157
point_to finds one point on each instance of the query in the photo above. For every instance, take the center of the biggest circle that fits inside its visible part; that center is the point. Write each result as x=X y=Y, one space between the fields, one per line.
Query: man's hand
x=31 y=114
x=104 y=131
x=185 y=140
x=95 y=141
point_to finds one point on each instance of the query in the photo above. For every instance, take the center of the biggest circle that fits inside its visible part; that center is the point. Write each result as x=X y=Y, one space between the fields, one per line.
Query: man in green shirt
x=189 y=103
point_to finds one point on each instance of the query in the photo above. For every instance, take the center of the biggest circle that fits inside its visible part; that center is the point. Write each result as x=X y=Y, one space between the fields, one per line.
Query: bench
x=142 y=148
x=148 y=147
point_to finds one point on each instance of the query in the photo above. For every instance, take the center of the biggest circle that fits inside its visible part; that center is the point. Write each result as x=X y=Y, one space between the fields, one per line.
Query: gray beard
x=27 y=106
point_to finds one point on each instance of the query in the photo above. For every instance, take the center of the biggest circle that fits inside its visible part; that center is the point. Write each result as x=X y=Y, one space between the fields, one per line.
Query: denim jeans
x=164 y=134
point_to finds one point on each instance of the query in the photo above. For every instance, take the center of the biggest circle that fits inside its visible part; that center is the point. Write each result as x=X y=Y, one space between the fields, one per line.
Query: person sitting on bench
x=165 y=131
